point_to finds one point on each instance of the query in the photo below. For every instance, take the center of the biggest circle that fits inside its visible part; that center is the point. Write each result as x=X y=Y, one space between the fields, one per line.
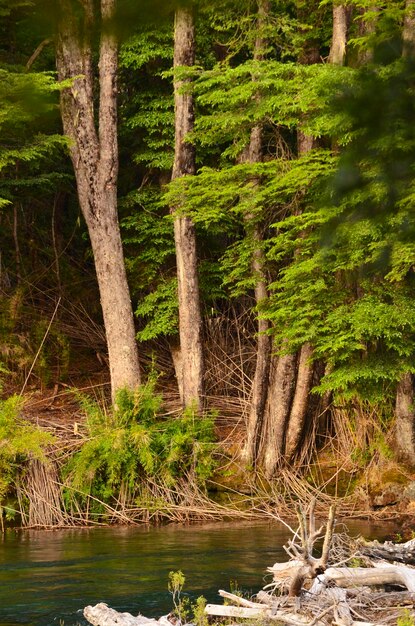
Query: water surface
x=47 y=577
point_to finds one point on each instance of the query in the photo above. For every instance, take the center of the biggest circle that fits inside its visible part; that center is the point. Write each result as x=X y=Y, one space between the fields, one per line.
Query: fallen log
x=379 y=575
x=388 y=551
x=237 y=599
x=102 y=615
x=282 y=617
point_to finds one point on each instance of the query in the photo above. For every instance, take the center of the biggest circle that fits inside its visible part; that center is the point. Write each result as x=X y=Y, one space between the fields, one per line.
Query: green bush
x=19 y=441
x=134 y=442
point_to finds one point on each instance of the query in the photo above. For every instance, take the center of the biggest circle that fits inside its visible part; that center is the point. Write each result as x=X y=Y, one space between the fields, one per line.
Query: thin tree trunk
x=17 y=255
x=190 y=318
x=405 y=426
x=259 y=390
x=341 y=14
x=94 y=154
x=404 y=407
x=280 y=395
x=300 y=402
x=408 y=34
x=366 y=28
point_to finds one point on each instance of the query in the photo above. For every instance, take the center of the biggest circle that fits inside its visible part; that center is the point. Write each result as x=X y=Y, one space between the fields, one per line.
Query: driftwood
x=311 y=590
x=303 y=564
x=322 y=591
x=102 y=615
x=380 y=575
x=388 y=551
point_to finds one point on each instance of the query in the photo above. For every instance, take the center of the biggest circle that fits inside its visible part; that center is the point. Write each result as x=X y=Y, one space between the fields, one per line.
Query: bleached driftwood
x=291 y=619
x=398 y=552
x=237 y=599
x=303 y=565
x=102 y=615
x=381 y=574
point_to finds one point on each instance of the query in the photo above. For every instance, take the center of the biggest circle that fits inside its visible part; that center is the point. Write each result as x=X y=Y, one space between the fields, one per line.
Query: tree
x=93 y=150
x=190 y=358
x=254 y=230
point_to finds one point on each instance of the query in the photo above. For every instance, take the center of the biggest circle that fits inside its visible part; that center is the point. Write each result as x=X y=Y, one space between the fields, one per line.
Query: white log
x=222 y=610
x=291 y=619
x=287 y=570
x=102 y=615
x=381 y=574
x=237 y=599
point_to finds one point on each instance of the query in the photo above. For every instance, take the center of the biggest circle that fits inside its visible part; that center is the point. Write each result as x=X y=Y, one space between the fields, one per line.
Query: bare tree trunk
x=366 y=27
x=190 y=318
x=94 y=154
x=298 y=411
x=280 y=395
x=405 y=426
x=404 y=407
x=341 y=14
x=408 y=34
x=259 y=390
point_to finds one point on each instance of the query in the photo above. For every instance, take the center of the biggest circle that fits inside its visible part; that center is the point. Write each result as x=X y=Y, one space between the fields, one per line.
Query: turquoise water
x=48 y=577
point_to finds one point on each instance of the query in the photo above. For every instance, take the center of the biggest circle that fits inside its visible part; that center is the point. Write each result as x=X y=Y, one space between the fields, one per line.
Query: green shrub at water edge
x=134 y=442
x=19 y=441
x=406 y=619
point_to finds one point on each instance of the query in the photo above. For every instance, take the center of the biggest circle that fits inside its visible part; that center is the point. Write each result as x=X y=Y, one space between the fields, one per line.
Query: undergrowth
x=133 y=443
x=21 y=441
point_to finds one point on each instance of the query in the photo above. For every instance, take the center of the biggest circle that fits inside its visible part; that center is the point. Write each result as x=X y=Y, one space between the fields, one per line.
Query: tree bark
x=94 y=154
x=259 y=390
x=190 y=318
x=341 y=15
x=404 y=406
x=280 y=394
x=300 y=401
x=405 y=422
x=366 y=28
x=408 y=34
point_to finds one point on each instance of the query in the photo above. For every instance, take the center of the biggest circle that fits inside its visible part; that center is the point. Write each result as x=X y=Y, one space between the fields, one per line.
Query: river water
x=48 y=577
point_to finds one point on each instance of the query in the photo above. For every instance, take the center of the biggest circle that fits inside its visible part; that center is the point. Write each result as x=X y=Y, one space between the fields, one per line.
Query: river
x=48 y=577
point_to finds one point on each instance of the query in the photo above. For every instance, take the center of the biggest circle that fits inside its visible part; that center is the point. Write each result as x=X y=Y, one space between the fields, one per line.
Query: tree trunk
x=366 y=28
x=341 y=15
x=259 y=390
x=299 y=407
x=190 y=318
x=408 y=34
x=280 y=394
x=94 y=154
x=404 y=407
x=405 y=422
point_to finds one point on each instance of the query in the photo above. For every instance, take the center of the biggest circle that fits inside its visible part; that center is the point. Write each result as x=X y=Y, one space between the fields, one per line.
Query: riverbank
x=96 y=468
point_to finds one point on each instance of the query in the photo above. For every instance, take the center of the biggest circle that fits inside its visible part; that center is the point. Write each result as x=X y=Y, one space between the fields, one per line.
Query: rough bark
x=296 y=418
x=190 y=319
x=253 y=154
x=280 y=393
x=300 y=401
x=405 y=422
x=408 y=33
x=337 y=54
x=94 y=154
x=366 y=27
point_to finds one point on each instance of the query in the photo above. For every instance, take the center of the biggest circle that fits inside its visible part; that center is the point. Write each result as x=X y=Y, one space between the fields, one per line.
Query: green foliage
x=406 y=618
x=147 y=112
x=20 y=441
x=175 y=587
x=160 y=309
x=134 y=442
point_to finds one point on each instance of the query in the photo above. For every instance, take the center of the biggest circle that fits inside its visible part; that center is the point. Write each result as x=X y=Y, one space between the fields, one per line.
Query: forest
x=207 y=257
